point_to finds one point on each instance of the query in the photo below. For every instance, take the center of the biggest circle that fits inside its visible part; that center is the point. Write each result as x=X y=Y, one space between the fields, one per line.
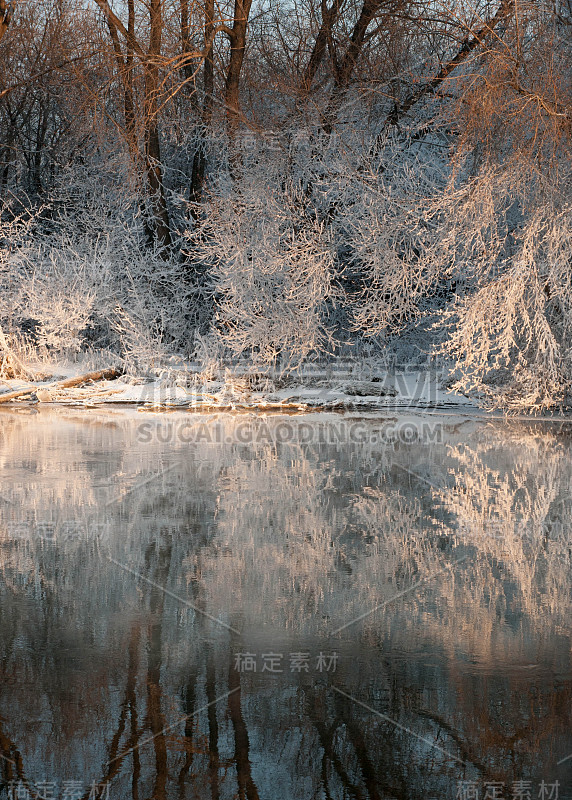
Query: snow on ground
x=335 y=387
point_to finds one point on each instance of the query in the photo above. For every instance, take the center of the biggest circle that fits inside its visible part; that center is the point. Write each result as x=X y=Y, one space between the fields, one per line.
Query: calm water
x=284 y=607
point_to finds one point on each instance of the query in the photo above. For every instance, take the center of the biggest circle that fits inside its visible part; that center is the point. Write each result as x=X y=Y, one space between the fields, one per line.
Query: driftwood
x=100 y=375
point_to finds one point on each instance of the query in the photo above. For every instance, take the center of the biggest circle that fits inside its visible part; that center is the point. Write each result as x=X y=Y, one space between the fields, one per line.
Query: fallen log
x=100 y=375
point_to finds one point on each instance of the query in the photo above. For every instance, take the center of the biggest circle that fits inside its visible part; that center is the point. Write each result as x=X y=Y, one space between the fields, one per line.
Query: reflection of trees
x=509 y=499
x=284 y=542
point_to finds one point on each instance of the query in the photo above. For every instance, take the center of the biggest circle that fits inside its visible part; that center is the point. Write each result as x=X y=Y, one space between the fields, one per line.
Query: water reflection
x=301 y=615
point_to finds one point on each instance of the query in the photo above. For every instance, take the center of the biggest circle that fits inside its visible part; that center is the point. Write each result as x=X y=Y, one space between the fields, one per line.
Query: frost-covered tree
x=272 y=273
x=506 y=217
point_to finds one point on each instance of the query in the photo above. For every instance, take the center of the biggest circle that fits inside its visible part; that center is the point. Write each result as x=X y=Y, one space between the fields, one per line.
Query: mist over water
x=280 y=611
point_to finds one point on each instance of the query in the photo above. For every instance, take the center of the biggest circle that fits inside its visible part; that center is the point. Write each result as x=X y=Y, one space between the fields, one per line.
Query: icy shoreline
x=188 y=390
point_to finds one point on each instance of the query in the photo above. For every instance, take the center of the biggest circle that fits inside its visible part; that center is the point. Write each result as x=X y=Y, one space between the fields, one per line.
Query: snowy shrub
x=388 y=235
x=17 y=223
x=60 y=305
x=510 y=228
x=81 y=276
x=272 y=270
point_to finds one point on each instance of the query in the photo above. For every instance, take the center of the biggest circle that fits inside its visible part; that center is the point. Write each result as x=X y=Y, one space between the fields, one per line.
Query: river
x=281 y=607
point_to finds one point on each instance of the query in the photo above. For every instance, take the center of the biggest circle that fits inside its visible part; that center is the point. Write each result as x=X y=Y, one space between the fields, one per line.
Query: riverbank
x=338 y=386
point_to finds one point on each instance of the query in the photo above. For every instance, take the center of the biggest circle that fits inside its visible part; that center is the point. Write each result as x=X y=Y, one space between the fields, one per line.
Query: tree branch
x=470 y=44
x=6 y=14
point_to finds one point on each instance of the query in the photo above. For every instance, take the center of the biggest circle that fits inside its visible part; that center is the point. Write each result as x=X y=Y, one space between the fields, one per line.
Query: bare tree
x=127 y=46
x=43 y=103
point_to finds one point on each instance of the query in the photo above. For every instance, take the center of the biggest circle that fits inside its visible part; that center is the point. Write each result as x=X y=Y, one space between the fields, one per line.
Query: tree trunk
x=369 y=10
x=237 y=45
x=199 y=160
x=152 y=139
x=329 y=16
